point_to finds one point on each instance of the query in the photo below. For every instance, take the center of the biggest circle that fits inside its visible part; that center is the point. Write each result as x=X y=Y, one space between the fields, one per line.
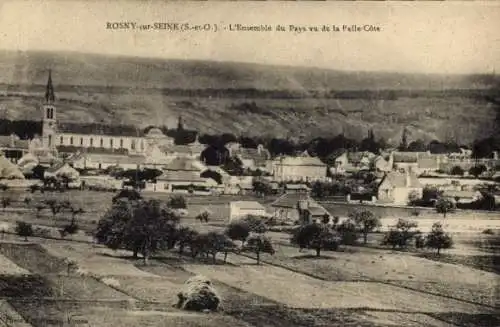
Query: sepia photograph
x=249 y=164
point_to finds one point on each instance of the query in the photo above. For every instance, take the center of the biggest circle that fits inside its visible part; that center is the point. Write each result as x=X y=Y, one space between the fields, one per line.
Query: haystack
x=198 y=294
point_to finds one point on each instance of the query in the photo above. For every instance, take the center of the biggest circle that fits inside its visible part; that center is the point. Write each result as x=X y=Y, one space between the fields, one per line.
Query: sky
x=428 y=37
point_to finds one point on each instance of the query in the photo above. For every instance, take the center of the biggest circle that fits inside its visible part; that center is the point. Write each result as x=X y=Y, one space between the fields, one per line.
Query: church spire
x=49 y=90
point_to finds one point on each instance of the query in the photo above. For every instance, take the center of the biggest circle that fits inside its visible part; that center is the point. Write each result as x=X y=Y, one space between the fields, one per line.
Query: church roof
x=99 y=129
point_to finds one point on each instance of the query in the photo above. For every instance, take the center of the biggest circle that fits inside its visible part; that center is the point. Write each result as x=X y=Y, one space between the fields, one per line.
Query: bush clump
x=198 y=294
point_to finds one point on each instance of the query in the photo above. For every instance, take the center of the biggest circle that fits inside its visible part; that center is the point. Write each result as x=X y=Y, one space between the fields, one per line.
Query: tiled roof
x=94 y=150
x=247 y=205
x=460 y=194
x=301 y=161
x=182 y=164
x=398 y=180
x=428 y=163
x=405 y=157
x=13 y=141
x=99 y=129
x=181 y=176
x=290 y=200
x=110 y=158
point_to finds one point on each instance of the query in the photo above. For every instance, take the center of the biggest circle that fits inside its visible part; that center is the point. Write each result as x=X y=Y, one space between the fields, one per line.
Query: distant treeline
x=25 y=129
x=386 y=94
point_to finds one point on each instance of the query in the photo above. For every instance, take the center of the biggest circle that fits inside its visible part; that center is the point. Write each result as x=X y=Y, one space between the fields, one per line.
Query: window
x=110 y=143
x=62 y=140
x=132 y=144
x=142 y=145
x=121 y=143
x=71 y=140
x=81 y=140
x=102 y=143
x=50 y=140
x=91 y=141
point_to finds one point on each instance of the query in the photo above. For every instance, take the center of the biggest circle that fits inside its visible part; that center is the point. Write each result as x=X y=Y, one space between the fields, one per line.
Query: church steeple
x=49 y=90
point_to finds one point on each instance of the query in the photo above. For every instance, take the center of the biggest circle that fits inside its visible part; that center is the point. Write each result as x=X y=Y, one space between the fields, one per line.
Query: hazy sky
x=457 y=37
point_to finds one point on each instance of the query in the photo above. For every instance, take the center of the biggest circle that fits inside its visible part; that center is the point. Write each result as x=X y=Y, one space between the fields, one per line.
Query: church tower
x=49 y=123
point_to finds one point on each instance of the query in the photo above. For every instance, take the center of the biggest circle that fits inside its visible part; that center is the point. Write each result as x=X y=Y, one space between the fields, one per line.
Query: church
x=74 y=137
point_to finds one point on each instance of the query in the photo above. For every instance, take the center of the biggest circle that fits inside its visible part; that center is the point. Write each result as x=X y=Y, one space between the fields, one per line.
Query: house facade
x=299 y=169
x=240 y=209
x=397 y=187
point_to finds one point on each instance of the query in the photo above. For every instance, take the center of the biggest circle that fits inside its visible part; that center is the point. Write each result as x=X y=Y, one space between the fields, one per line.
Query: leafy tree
x=255 y=223
x=203 y=216
x=129 y=194
x=413 y=197
x=438 y=239
x=365 y=221
x=261 y=188
x=444 y=206
x=4 y=187
x=238 y=231
x=75 y=211
x=177 y=202
x=315 y=236
x=6 y=201
x=457 y=170
x=417 y=146
x=185 y=237
x=69 y=229
x=259 y=244
x=213 y=175
x=39 y=207
x=27 y=201
x=348 y=232
x=24 y=229
x=477 y=170
x=401 y=234
x=54 y=205
x=141 y=226
x=212 y=243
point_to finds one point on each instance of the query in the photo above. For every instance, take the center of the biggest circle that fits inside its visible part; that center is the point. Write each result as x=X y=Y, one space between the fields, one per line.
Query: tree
x=177 y=202
x=413 y=197
x=70 y=229
x=417 y=146
x=259 y=244
x=212 y=243
x=457 y=170
x=142 y=226
x=261 y=188
x=24 y=229
x=315 y=236
x=129 y=194
x=4 y=187
x=401 y=234
x=75 y=211
x=39 y=207
x=438 y=239
x=476 y=171
x=54 y=205
x=348 y=232
x=238 y=231
x=27 y=201
x=444 y=206
x=365 y=221
x=185 y=237
x=203 y=216
x=6 y=201
x=255 y=223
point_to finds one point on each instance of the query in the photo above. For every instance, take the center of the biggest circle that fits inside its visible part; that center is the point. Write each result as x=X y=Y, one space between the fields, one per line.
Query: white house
x=299 y=169
x=240 y=209
x=396 y=187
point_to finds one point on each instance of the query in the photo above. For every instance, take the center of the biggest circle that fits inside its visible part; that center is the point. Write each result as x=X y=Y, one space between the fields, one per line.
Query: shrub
x=457 y=170
x=177 y=202
x=488 y=231
x=198 y=294
x=69 y=229
x=24 y=229
x=365 y=222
